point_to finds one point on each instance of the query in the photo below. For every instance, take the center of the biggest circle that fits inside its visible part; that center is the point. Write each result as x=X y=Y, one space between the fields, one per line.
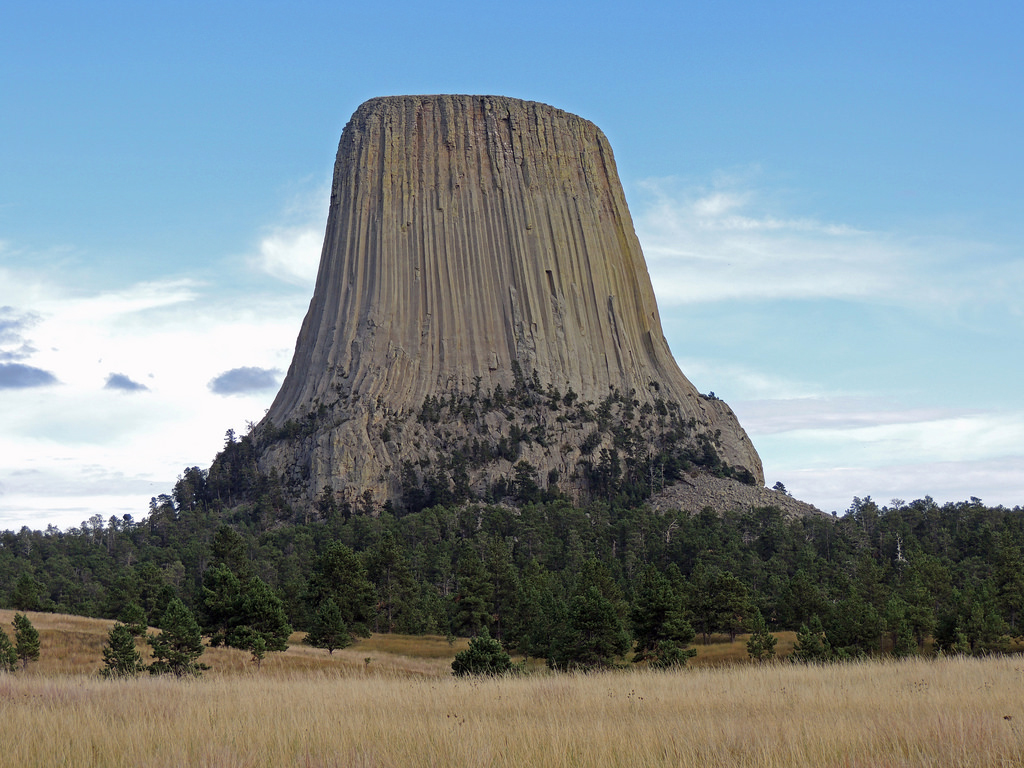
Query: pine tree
x=761 y=643
x=473 y=595
x=258 y=649
x=659 y=622
x=120 y=656
x=8 y=654
x=593 y=636
x=25 y=595
x=179 y=644
x=811 y=644
x=388 y=569
x=329 y=630
x=134 y=618
x=339 y=574
x=26 y=640
x=261 y=612
x=219 y=602
x=485 y=656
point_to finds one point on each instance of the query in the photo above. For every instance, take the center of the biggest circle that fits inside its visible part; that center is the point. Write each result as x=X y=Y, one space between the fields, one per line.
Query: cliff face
x=479 y=263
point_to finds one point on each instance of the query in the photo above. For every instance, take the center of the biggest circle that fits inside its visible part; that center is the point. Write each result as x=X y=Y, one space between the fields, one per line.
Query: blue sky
x=829 y=197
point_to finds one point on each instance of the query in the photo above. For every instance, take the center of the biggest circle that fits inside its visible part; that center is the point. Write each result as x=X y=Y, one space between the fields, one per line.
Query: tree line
x=575 y=585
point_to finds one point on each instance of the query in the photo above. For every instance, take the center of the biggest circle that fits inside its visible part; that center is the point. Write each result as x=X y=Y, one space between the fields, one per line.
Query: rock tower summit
x=482 y=300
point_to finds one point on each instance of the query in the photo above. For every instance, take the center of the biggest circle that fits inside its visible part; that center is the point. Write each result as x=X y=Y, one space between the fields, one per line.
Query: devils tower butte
x=478 y=249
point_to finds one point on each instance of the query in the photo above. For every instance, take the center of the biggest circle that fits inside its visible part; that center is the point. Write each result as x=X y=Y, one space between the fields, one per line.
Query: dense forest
x=576 y=585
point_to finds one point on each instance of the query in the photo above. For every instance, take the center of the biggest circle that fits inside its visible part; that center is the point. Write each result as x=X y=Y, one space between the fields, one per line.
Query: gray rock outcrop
x=480 y=279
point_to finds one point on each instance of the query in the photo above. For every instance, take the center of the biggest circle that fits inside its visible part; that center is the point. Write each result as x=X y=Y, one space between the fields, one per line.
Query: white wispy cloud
x=81 y=447
x=291 y=254
x=290 y=251
x=722 y=241
x=828 y=450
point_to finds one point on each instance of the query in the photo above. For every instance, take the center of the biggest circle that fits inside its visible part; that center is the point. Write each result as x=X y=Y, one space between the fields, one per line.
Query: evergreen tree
x=506 y=593
x=120 y=656
x=8 y=654
x=541 y=612
x=1009 y=583
x=979 y=618
x=329 y=630
x=918 y=611
x=811 y=644
x=229 y=548
x=761 y=643
x=485 y=656
x=659 y=622
x=733 y=604
x=25 y=596
x=260 y=615
x=855 y=628
x=719 y=601
x=388 y=570
x=134 y=618
x=220 y=603
x=339 y=574
x=26 y=640
x=257 y=646
x=179 y=645
x=593 y=636
x=473 y=595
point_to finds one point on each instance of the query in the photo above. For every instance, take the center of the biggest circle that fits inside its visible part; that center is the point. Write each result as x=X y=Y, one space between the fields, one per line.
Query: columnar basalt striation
x=480 y=279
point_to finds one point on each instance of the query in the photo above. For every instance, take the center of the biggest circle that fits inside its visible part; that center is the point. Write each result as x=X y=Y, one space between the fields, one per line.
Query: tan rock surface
x=699 y=490
x=468 y=235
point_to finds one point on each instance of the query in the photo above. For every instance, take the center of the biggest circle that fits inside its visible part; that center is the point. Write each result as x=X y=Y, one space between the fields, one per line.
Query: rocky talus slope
x=482 y=300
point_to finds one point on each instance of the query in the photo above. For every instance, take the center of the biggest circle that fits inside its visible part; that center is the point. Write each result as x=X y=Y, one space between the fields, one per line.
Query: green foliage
x=811 y=644
x=120 y=656
x=719 y=601
x=8 y=654
x=473 y=594
x=134 y=618
x=179 y=645
x=659 y=622
x=329 y=629
x=485 y=656
x=26 y=640
x=257 y=645
x=855 y=628
x=761 y=643
x=594 y=634
x=26 y=594
x=261 y=613
x=387 y=568
x=876 y=576
x=221 y=597
x=339 y=574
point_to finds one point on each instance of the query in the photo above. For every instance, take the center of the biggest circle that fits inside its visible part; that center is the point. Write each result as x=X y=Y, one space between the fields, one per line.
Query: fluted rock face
x=475 y=245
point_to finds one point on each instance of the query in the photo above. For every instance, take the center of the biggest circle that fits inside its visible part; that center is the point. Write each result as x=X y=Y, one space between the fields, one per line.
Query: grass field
x=403 y=709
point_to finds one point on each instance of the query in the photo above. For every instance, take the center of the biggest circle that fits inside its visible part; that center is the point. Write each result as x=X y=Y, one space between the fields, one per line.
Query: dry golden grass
x=305 y=708
x=951 y=712
x=720 y=651
x=72 y=645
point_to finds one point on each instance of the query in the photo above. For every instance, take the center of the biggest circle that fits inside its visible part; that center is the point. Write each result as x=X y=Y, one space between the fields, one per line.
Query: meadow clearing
x=403 y=708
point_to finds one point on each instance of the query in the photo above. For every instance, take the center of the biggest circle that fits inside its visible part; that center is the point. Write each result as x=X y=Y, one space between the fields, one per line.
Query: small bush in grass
x=485 y=656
